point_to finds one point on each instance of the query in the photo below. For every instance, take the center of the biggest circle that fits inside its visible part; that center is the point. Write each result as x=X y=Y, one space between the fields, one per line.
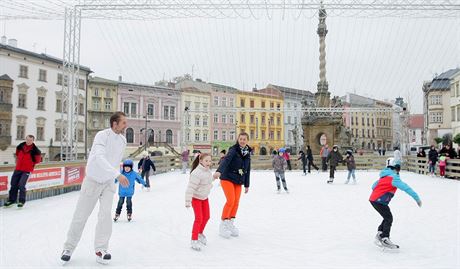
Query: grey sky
x=376 y=57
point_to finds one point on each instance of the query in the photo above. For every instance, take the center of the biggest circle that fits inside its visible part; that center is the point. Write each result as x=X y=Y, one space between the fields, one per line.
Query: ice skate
x=65 y=256
x=117 y=216
x=386 y=243
x=331 y=180
x=129 y=217
x=103 y=257
x=202 y=239
x=195 y=245
x=233 y=230
x=224 y=231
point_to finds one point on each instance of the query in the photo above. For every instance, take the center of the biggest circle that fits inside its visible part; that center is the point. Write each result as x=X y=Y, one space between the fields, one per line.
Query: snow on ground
x=315 y=226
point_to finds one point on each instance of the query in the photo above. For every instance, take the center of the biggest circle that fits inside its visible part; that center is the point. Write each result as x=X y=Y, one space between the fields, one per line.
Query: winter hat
x=349 y=152
x=282 y=150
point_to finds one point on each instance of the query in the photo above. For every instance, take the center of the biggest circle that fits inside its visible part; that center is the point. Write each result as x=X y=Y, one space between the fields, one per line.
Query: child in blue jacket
x=383 y=191
x=127 y=192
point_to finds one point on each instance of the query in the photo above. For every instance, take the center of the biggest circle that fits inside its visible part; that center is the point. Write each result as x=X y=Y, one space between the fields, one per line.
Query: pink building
x=154 y=109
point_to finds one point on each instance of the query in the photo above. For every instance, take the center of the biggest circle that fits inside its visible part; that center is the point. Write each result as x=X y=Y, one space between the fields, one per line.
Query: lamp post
x=145 y=132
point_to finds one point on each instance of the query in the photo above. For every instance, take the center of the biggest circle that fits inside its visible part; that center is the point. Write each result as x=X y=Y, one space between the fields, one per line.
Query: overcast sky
x=381 y=58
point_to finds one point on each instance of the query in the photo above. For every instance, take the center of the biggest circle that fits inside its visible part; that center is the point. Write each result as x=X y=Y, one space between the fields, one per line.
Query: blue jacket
x=132 y=178
x=384 y=189
x=235 y=167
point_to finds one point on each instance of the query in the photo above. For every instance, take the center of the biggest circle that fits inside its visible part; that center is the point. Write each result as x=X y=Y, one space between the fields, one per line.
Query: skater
x=144 y=168
x=334 y=158
x=196 y=195
x=382 y=191
x=421 y=153
x=287 y=157
x=397 y=155
x=324 y=153
x=310 y=160
x=279 y=165
x=442 y=165
x=234 y=171
x=127 y=192
x=27 y=156
x=102 y=168
x=222 y=156
x=351 y=166
x=303 y=158
x=432 y=160
x=185 y=159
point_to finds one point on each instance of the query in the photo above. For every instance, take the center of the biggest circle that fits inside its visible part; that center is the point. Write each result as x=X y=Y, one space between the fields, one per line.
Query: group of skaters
x=439 y=158
x=234 y=169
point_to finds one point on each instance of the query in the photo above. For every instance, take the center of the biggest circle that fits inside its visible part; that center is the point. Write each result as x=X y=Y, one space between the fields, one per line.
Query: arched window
x=169 y=136
x=150 y=136
x=129 y=135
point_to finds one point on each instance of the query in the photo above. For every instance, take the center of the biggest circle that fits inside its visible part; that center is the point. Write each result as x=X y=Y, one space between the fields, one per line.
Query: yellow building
x=260 y=114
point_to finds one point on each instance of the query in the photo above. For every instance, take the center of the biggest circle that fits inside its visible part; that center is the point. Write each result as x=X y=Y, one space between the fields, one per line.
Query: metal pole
x=145 y=134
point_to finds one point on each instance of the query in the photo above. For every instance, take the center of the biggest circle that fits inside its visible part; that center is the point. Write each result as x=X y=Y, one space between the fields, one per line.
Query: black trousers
x=145 y=176
x=18 y=182
x=331 y=171
x=324 y=163
x=129 y=205
x=289 y=164
x=385 y=212
x=310 y=164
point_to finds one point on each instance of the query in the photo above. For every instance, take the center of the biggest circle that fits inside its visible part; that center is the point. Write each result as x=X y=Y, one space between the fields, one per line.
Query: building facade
x=455 y=103
x=260 y=114
x=154 y=115
x=416 y=129
x=293 y=98
x=102 y=97
x=36 y=101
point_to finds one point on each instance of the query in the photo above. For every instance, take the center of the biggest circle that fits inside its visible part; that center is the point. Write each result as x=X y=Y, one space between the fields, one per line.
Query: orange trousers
x=232 y=193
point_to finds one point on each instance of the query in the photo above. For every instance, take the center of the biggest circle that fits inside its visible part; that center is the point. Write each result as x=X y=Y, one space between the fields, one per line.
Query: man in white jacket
x=102 y=168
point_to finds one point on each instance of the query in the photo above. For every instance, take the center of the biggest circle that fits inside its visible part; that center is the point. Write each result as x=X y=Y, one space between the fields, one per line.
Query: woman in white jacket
x=196 y=195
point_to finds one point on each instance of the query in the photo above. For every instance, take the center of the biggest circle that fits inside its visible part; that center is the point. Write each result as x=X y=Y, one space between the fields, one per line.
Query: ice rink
x=315 y=226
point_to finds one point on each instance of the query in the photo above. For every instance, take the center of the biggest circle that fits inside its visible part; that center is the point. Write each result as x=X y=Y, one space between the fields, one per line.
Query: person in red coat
x=27 y=156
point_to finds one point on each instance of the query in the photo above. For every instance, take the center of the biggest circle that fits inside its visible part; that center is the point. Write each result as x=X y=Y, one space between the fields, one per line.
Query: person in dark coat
x=432 y=160
x=303 y=158
x=351 y=166
x=310 y=160
x=144 y=166
x=27 y=156
x=448 y=151
x=234 y=171
x=334 y=158
x=421 y=153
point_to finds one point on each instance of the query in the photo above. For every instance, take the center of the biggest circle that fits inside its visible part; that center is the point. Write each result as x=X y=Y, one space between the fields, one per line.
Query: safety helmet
x=392 y=163
x=128 y=163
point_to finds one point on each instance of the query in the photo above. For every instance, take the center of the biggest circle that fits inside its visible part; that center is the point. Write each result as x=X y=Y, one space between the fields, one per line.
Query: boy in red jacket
x=27 y=156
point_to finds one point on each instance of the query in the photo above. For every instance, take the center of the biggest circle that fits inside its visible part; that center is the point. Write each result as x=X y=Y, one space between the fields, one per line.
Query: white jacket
x=105 y=156
x=199 y=185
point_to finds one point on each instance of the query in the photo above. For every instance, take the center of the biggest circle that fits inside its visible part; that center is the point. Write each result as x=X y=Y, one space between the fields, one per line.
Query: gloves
x=419 y=203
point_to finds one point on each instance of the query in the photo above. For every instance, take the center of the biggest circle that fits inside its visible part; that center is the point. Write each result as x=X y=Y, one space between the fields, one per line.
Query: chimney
x=120 y=79
x=3 y=40
x=13 y=42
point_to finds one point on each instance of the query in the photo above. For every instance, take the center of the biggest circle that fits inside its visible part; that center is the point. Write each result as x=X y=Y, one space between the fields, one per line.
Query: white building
x=455 y=103
x=36 y=100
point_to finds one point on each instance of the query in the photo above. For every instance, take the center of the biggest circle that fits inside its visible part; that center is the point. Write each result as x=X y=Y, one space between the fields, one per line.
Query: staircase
x=165 y=145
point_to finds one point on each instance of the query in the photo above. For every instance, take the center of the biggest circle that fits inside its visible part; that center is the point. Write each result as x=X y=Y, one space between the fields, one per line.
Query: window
x=129 y=135
x=289 y=120
x=197 y=136
x=457 y=89
x=126 y=108
x=107 y=122
x=251 y=134
x=230 y=102
x=58 y=105
x=232 y=135
x=40 y=133
x=197 y=120
x=295 y=120
x=108 y=93
x=80 y=135
x=134 y=109
x=278 y=135
x=20 y=132
x=288 y=105
x=224 y=118
x=96 y=92
x=22 y=100
x=224 y=135
x=435 y=117
x=224 y=101
x=108 y=105
x=41 y=103
x=216 y=118
x=172 y=112
x=373 y=134
x=436 y=100
x=187 y=120
x=205 y=106
x=187 y=136
x=272 y=105
x=42 y=75
x=251 y=103
x=59 y=79
x=251 y=119
x=216 y=100
x=188 y=105
x=272 y=135
x=278 y=106
x=205 y=121
x=23 y=72
x=452 y=111
x=81 y=84
x=368 y=133
x=241 y=102
x=169 y=136
x=242 y=118
x=2 y=96
x=197 y=106
x=57 y=134
x=362 y=133
x=216 y=135
x=367 y=121
x=231 y=119
x=150 y=108
x=96 y=104
x=362 y=121
x=263 y=134
x=272 y=121
x=458 y=113
x=263 y=120
x=205 y=136
x=262 y=104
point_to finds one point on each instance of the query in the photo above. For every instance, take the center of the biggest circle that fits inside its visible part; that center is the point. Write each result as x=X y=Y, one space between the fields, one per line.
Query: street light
x=145 y=133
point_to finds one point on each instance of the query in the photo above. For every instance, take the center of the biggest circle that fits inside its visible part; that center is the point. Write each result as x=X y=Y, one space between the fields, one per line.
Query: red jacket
x=27 y=157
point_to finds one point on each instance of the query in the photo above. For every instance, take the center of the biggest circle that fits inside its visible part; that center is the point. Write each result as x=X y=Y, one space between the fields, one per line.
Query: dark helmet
x=128 y=163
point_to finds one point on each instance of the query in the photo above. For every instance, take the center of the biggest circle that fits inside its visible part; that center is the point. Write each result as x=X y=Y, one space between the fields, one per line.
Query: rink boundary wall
x=56 y=178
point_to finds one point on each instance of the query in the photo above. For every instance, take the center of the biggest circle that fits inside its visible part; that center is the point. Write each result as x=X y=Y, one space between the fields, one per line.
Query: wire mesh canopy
x=161 y=9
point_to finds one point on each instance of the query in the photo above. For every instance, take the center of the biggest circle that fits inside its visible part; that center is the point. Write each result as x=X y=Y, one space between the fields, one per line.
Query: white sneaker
x=195 y=245
x=224 y=231
x=234 y=231
x=202 y=239
x=103 y=257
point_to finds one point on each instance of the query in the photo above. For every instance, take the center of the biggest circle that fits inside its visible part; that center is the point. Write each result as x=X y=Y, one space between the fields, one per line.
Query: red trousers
x=442 y=170
x=201 y=209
